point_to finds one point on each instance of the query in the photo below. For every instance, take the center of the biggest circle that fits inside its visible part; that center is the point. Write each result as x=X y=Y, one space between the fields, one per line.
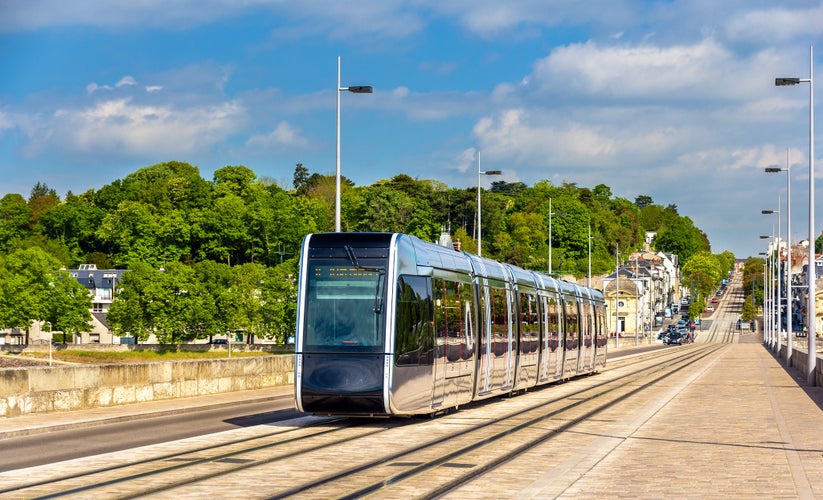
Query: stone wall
x=77 y=387
x=800 y=362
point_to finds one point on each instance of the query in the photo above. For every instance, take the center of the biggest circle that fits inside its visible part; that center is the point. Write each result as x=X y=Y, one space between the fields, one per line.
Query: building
x=102 y=286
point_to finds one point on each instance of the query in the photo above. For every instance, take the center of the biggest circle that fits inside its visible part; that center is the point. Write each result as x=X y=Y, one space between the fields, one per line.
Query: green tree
x=68 y=305
x=279 y=300
x=26 y=287
x=130 y=314
x=245 y=301
x=14 y=220
x=681 y=238
x=702 y=273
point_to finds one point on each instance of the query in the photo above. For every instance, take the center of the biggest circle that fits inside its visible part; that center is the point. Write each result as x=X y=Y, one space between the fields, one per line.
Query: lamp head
x=783 y=82
x=361 y=89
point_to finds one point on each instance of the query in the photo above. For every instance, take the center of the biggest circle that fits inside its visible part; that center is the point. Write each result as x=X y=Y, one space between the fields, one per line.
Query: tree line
x=210 y=256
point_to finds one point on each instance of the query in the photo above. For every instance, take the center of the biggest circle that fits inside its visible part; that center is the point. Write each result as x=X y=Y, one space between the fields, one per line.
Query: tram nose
x=349 y=384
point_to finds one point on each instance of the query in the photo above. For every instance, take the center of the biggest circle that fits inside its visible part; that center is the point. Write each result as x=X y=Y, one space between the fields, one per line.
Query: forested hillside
x=209 y=249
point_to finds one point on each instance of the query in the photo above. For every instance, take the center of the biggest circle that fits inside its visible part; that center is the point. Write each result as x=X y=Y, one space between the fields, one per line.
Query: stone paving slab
x=746 y=428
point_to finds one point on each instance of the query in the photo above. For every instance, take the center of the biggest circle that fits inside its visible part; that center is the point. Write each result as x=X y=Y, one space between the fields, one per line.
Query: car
x=662 y=336
x=674 y=338
x=715 y=300
x=219 y=341
x=709 y=309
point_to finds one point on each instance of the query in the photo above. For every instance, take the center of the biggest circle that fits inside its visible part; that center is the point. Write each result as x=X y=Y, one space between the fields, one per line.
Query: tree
x=132 y=312
x=68 y=305
x=301 y=179
x=702 y=272
x=643 y=201
x=246 y=301
x=681 y=238
x=14 y=220
x=279 y=300
x=27 y=278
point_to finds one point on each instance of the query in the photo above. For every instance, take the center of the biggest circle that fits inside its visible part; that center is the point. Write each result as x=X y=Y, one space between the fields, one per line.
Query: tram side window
x=414 y=343
x=588 y=324
x=499 y=320
x=452 y=319
x=552 y=323
x=529 y=324
x=601 y=326
x=572 y=325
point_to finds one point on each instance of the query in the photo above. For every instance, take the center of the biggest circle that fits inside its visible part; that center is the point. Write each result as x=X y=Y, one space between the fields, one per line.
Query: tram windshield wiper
x=378 y=300
x=352 y=257
x=378 y=296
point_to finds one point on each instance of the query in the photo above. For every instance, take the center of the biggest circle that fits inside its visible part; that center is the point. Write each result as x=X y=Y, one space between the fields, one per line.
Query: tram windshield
x=345 y=306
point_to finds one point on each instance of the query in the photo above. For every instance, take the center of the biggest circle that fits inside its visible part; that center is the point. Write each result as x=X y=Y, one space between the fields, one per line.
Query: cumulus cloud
x=776 y=24
x=124 y=127
x=126 y=81
x=283 y=135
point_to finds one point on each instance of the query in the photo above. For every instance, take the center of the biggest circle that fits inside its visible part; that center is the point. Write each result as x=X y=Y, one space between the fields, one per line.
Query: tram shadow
x=263 y=418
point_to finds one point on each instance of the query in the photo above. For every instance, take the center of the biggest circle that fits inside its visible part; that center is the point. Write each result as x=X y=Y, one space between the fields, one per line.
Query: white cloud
x=123 y=127
x=153 y=88
x=126 y=81
x=283 y=135
x=777 y=25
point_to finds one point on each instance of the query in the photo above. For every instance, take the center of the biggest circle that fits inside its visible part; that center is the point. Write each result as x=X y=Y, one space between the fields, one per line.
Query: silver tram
x=388 y=324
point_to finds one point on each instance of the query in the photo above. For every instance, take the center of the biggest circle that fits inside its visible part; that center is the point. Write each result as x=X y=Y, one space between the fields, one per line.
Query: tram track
x=476 y=451
x=303 y=448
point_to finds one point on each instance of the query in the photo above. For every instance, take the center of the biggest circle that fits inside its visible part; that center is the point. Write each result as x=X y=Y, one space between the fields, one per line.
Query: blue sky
x=670 y=99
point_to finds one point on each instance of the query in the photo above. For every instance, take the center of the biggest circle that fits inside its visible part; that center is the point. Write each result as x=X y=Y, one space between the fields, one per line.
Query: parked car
x=219 y=341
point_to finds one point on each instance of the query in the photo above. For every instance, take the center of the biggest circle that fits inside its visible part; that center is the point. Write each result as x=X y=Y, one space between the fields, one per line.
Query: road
x=51 y=447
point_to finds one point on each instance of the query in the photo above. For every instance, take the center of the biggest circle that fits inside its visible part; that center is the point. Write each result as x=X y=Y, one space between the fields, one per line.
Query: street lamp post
x=552 y=214
x=589 y=271
x=768 y=308
x=778 y=304
x=359 y=89
x=811 y=319
x=479 y=173
x=789 y=301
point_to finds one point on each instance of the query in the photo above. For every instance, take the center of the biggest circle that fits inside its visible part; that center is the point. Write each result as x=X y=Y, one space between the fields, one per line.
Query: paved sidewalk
x=45 y=422
x=746 y=428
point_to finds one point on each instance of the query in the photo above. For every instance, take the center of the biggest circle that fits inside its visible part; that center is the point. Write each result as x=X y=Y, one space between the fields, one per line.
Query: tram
x=391 y=325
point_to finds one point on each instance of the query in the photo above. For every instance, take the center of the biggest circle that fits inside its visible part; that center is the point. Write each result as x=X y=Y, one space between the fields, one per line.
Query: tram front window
x=345 y=307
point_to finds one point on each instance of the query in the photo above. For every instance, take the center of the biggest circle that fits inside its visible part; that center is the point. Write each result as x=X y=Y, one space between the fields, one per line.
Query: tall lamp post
x=552 y=214
x=479 y=173
x=768 y=292
x=789 y=301
x=589 y=271
x=359 y=89
x=811 y=318
x=778 y=304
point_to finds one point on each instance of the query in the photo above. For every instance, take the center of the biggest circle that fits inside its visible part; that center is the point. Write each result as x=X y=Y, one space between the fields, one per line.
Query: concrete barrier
x=77 y=387
x=800 y=362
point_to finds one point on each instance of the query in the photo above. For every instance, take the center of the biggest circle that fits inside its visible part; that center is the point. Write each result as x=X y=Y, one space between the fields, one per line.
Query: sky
x=675 y=100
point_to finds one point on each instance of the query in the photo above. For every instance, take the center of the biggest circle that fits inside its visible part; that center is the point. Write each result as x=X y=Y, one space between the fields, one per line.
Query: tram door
x=529 y=342
x=571 y=351
x=551 y=366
